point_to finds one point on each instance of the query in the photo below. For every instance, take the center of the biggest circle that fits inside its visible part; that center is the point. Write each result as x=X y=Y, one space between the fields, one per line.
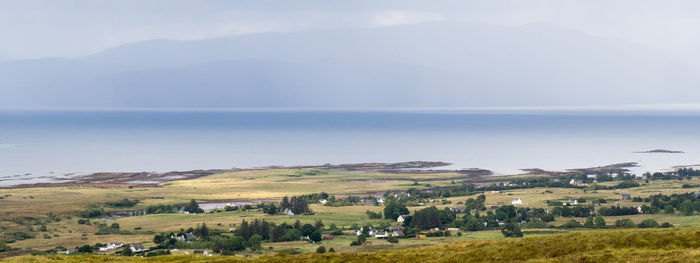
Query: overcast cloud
x=70 y=28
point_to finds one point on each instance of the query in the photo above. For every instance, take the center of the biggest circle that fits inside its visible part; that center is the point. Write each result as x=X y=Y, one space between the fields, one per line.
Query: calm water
x=39 y=144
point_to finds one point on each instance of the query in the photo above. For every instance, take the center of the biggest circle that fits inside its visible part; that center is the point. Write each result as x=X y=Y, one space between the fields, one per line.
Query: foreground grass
x=632 y=245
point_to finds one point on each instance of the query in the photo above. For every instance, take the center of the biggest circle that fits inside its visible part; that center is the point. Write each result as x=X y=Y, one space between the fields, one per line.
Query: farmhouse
x=395 y=227
x=201 y=252
x=138 y=247
x=400 y=219
x=517 y=201
x=381 y=234
x=111 y=246
x=397 y=233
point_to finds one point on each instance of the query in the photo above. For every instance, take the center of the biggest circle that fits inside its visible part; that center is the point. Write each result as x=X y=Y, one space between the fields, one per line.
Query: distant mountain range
x=422 y=65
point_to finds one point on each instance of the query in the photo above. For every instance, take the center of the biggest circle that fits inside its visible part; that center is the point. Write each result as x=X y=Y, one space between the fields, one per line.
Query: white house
x=592 y=176
x=381 y=234
x=400 y=219
x=111 y=245
x=201 y=252
x=397 y=233
x=517 y=201
x=138 y=247
x=288 y=212
x=372 y=231
x=323 y=201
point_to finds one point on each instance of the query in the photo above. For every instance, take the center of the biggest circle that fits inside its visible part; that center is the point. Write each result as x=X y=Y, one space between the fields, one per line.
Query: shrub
x=571 y=224
x=321 y=250
x=648 y=223
x=392 y=240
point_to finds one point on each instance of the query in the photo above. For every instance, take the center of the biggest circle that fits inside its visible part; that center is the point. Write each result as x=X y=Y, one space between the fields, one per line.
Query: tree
x=85 y=249
x=318 y=224
x=599 y=222
x=589 y=222
x=316 y=236
x=648 y=223
x=277 y=233
x=126 y=251
x=393 y=209
x=158 y=239
x=254 y=242
x=292 y=235
x=193 y=207
x=115 y=226
x=307 y=229
x=511 y=230
x=204 y=230
x=687 y=207
x=624 y=223
x=321 y=250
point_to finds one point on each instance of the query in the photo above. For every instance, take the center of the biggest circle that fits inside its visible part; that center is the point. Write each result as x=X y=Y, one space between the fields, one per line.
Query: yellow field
x=632 y=245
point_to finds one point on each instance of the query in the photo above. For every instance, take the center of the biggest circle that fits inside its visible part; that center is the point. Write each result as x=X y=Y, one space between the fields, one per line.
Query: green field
x=256 y=185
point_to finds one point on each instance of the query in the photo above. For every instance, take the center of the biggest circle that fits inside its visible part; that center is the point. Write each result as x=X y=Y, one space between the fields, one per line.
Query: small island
x=661 y=151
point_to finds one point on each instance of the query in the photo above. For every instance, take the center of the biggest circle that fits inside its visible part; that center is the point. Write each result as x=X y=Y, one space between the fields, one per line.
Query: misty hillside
x=431 y=64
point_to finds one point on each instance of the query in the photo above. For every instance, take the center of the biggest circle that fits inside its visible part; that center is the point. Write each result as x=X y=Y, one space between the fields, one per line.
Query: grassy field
x=17 y=204
x=631 y=245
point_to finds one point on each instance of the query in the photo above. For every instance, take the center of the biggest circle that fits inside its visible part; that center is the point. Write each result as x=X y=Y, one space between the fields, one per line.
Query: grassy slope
x=633 y=245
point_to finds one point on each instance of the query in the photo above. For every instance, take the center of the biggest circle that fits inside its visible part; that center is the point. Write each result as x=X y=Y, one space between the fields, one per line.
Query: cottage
x=452 y=229
x=457 y=209
x=397 y=233
x=434 y=229
x=372 y=231
x=71 y=251
x=201 y=252
x=395 y=227
x=288 y=212
x=111 y=246
x=625 y=197
x=323 y=201
x=380 y=200
x=400 y=219
x=517 y=201
x=138 y=247
x=592 y=176
x=178 y=238
x=381 y=234
x=500 y=223
x=570 y=202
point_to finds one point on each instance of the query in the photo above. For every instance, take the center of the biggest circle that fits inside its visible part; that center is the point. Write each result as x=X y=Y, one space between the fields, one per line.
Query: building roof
x=199 y=252
x=137 y=246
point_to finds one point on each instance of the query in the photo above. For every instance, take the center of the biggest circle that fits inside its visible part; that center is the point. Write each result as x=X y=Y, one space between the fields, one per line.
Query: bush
x=511 y=230
x=666 y=225
x=331 y=250
x=392 y=239
x=571 y=224
x=624 y=223
x=648 y=223
x=321 y=250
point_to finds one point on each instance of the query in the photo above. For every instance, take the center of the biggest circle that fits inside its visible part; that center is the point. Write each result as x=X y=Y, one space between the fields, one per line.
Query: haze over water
x=35 y=145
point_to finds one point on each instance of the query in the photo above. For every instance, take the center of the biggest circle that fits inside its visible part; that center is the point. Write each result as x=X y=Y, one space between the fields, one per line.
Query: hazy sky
x=70 y=28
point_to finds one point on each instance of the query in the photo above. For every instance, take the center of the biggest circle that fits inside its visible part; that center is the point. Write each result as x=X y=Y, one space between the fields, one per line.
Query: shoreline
x=151 y=179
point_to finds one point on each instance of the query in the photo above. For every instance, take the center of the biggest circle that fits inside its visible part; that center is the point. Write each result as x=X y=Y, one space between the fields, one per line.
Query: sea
x=49 y=145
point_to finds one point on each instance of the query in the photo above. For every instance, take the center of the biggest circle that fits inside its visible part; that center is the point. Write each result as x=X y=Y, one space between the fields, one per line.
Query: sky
x=74 y=28
x=355 y=54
